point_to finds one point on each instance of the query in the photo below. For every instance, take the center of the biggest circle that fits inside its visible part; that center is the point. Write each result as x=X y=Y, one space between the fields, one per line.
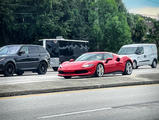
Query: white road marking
x=74 y=113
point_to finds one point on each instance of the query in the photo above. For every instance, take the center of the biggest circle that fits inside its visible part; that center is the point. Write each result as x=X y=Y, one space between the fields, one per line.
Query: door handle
x=145 y=56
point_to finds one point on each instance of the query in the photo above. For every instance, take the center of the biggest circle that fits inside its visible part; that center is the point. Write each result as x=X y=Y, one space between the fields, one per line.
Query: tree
x=102 y=22
x=110 y=29
x=153 y=36
x=6 y=21
x=138 y=27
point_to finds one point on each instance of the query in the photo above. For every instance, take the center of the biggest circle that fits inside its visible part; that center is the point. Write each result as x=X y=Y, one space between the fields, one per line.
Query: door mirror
x=108 y=59
x=21 y=52
x=118 y=59
x=71 y=60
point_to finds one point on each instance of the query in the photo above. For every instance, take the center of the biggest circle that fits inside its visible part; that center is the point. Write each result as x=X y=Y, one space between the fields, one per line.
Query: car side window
x=42 y=50
x=140 y=50
x=25 y=49
x=107 y=55
x=99 y=57
x=33 y=50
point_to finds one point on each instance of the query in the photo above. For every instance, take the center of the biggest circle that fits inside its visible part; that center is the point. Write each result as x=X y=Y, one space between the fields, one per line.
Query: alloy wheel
x=9 y=69
x=100 y=70
x=128 y=68
x=135 y=65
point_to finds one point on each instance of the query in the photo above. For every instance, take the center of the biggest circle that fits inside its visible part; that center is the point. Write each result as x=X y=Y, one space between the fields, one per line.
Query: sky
x=148 y=8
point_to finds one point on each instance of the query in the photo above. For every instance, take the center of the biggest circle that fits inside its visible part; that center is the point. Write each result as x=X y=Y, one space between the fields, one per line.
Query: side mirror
x=108 y=59
x=21 y=52
x=71 y=60
x=118 y=59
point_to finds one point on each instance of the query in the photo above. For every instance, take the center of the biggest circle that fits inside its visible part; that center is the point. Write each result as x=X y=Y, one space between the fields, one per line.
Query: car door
x=22 y=59
x=142 y=58
x=34 y=55
x=109 y=66
x=148 y=55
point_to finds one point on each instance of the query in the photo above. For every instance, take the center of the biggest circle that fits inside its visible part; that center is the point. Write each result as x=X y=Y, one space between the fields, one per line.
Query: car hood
x=75 y=65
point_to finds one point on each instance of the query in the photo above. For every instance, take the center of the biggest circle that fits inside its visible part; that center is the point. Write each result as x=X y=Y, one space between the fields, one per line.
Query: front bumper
x=76 y=72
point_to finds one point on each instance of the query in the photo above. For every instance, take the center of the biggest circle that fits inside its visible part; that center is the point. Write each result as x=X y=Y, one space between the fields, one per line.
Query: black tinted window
x=64 y=48
x=33 y=50
x=52 y=48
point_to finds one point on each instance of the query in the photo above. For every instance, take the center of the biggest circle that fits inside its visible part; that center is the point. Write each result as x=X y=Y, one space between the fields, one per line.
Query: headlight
x=2 y=59
x=88 y=65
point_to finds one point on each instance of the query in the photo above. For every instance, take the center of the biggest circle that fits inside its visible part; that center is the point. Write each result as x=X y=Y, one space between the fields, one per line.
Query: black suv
x=20 y=58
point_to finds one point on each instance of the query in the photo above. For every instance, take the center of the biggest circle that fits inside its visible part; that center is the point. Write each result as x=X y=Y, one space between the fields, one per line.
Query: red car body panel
x=75 y=68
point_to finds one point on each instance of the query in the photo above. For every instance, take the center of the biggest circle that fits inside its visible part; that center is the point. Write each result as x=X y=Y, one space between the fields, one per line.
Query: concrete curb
x=18 y=93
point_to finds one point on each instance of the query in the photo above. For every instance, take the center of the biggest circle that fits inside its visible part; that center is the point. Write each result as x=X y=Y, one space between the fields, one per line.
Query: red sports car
x=97 y=64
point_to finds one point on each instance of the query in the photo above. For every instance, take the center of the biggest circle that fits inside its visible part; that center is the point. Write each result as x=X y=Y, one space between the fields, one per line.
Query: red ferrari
x=95 y=64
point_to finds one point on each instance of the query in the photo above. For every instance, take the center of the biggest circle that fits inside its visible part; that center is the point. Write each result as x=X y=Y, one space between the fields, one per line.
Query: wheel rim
x=43 y=68
x=10 y=69
x=134 y=64
x=154 y=63
x=100 y=70
x=128 y=68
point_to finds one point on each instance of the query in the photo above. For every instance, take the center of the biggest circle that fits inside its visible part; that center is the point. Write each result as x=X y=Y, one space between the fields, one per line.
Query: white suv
x=141 y=54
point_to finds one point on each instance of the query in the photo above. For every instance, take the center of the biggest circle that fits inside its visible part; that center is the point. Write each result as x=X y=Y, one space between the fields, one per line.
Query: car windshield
x=9 y=50
x=90 y=57
x=127 y=50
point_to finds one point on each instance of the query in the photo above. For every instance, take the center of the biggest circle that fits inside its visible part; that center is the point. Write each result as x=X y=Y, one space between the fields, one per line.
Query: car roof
x=137 y=45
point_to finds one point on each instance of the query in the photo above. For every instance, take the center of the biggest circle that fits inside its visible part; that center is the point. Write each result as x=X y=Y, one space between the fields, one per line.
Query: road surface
x=120 y=103
x=29 y=77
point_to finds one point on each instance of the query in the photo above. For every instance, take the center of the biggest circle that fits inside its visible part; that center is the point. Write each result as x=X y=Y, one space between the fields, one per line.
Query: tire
x=67 y=77
x=9 y=69
x=55 y=68
x=42 y=69
x=154 y=64
x=135 y=65
x=128 y=68
x=99 y=70
x=20 y=72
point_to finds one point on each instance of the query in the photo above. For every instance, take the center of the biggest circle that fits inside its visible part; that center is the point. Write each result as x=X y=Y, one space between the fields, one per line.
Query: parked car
x=20 y=58
x=95 y=64
x=141 y=54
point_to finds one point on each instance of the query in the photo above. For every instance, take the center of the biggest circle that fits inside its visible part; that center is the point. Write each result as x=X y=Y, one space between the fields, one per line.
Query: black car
x=20 y=58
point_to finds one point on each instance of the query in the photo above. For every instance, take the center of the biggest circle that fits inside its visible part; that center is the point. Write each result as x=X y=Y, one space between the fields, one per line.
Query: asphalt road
x=29 y=77
x=120 y=103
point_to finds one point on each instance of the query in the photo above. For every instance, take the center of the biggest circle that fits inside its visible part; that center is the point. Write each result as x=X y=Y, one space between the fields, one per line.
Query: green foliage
x=102 y=22
x=110 y=29
x=153 y=36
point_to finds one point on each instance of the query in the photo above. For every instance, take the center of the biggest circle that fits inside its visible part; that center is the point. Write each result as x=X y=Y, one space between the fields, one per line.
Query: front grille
x=80 y=71
x=62 y=72
x=75 y=72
